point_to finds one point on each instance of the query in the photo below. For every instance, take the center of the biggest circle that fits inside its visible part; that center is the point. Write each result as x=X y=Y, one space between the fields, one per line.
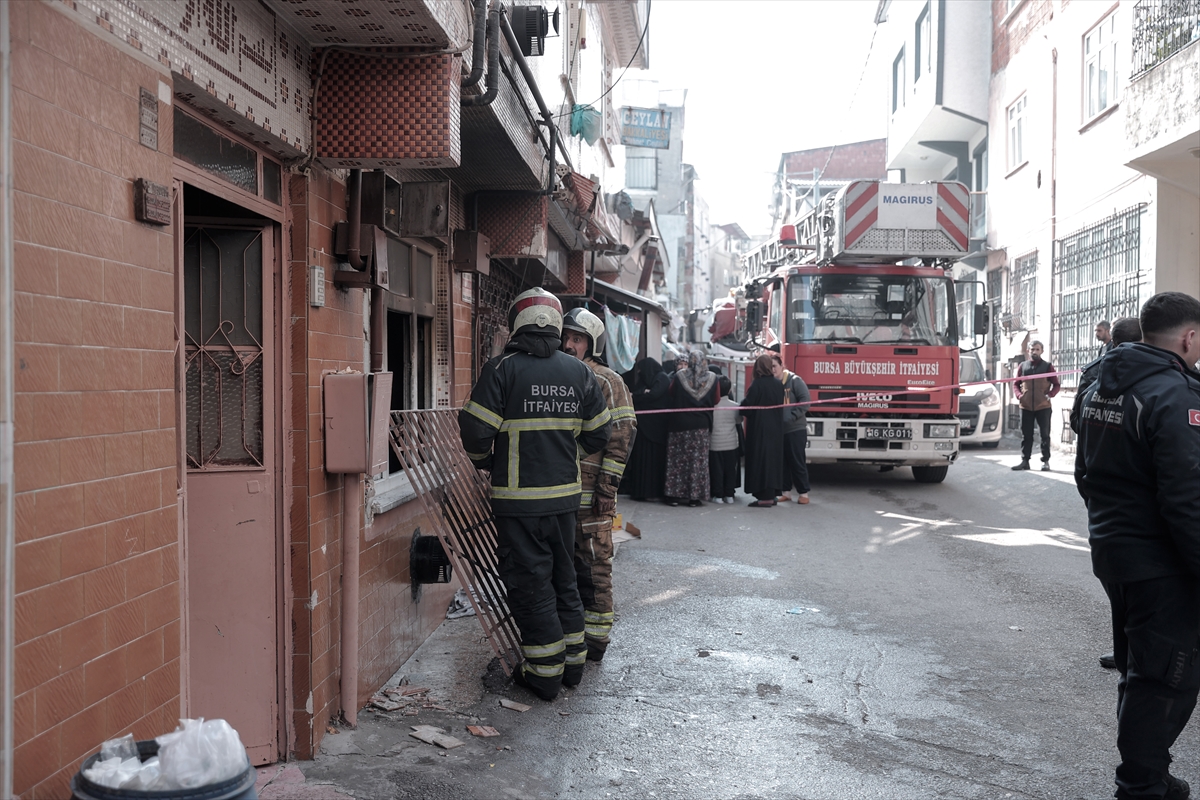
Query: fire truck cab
x=858 y=300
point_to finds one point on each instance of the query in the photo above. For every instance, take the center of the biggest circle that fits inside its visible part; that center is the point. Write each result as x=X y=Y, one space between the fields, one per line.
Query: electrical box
x=372 y=247
x=425 y=209
x=347 y=432
x=381 y=201
x=472 y=252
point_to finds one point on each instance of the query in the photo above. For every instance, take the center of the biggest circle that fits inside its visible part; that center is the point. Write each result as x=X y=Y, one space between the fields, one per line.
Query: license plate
x=888 y=433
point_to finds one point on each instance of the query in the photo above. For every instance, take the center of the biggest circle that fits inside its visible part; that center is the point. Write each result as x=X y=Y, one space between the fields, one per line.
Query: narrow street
x=890 y=640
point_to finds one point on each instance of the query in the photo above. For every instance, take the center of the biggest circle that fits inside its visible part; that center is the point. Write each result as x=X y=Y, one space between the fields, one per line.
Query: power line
x=636 y=50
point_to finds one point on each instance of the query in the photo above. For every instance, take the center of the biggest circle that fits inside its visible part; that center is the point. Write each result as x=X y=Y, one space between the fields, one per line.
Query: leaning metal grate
x=455 y=498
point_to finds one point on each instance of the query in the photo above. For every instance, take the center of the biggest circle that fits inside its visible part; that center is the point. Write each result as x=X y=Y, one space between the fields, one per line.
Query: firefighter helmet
x=535 y=310
x=587 y=323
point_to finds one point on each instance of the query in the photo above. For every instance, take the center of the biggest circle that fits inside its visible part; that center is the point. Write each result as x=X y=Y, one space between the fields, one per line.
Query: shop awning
x=610 y=291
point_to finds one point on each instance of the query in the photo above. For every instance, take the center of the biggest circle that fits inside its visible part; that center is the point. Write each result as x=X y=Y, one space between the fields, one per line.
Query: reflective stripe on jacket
x=527 y=421
x=610 y=460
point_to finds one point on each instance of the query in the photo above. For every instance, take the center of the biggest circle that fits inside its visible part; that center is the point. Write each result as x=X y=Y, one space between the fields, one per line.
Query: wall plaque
x=151 y=202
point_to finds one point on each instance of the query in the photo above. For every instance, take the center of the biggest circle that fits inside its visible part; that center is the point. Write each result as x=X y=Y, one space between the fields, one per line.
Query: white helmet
x=583 y=321
x=536 y=309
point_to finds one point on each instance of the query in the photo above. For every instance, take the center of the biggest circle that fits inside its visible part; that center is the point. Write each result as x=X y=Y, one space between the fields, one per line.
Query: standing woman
x=764 y=435
x=648 y=462
x=693 y=393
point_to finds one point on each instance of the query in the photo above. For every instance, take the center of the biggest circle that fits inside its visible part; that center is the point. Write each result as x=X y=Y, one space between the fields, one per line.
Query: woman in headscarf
x=764 y=434
x=693 y=393
x=648 y=461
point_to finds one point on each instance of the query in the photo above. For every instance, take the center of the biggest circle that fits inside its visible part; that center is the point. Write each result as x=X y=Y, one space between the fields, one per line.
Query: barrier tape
x=894 y=405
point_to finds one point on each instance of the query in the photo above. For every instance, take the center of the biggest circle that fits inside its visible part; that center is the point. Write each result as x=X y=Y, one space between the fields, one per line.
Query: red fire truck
x=859 y=299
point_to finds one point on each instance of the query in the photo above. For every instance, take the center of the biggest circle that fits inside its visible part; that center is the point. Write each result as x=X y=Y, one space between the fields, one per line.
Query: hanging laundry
x=624 y=334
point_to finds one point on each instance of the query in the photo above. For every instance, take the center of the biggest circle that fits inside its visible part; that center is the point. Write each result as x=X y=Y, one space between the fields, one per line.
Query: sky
x=765 y=77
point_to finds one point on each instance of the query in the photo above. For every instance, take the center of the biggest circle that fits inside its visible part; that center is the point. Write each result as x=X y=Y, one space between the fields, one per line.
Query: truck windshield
x=870 y=309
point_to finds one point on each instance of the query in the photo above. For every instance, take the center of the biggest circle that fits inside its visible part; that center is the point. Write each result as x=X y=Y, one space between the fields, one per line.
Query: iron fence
x=1097 y=276
x=454 y=496
x=1162 y=28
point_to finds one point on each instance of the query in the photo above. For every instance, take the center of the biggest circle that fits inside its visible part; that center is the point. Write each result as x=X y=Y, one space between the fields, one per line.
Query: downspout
x=352 y=498
x=1053 y=150
x=515 y=47
x=493 y=70
x=6 y=408
x=354 y=235
x=477 y=45
x=351 y=519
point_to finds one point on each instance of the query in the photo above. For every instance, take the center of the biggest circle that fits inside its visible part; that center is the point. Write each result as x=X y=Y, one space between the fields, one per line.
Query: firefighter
x=583 y=337
x=533 y=409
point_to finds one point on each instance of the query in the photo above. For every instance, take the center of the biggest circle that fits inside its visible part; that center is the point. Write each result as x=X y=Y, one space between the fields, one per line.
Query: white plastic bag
x=123 y=748
x=113 y=772
x=200 y=753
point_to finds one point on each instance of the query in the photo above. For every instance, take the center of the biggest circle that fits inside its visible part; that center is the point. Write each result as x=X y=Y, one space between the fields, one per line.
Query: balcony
x=1162 y=123
x=939 y=72
x=1162 y=28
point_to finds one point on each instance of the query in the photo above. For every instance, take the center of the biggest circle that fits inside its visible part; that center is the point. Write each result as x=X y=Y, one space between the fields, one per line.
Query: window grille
x=1097 y=276
x=495 y=294
x=1023 y=286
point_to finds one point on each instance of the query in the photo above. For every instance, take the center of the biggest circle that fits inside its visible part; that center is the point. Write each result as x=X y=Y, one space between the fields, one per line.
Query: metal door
x=229 y=423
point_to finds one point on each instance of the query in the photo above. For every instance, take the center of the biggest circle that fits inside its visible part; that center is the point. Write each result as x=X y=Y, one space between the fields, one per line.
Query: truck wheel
x=930 y=474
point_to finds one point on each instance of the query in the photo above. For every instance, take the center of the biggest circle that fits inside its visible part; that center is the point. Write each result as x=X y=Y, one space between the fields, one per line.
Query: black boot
x=1023 y=465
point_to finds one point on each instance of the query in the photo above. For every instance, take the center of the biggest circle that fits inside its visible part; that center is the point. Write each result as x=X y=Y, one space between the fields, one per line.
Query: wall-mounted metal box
x=356 y=421
x=425 y=209
x=381 y=201
x=347 y=433
x=472 y=252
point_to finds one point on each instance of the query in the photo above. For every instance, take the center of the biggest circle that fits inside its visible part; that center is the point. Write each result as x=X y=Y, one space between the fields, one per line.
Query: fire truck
x=859 y=299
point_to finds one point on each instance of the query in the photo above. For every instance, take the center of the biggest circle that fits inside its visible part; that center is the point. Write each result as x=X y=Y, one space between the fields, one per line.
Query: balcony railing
x=1162 y=28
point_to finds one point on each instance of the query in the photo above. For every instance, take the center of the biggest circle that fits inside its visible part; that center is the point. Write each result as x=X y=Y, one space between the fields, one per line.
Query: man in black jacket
x=1138 y=470
x=533 y=409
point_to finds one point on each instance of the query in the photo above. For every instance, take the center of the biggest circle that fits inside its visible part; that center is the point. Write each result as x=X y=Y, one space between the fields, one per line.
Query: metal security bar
x=494 y=296
x=1097 y=276
x=455 y=498
x=1162 y=28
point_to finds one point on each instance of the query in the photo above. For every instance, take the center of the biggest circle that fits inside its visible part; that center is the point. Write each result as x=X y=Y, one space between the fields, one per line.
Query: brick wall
x=1009 y=35
x=859 y=160
x=97 y=557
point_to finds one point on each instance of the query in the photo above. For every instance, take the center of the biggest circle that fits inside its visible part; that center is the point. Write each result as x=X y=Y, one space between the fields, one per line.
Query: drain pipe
x=351 y=519
x=354 y=235
x=481 y=21
x=6 y=406
x=352 y=494
x=493 y=70
x=515 y=47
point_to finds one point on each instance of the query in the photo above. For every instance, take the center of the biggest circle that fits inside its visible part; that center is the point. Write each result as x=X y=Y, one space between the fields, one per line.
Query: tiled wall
x=323 y=339
x=241 y=53
x=97 y=557
x=391 y=624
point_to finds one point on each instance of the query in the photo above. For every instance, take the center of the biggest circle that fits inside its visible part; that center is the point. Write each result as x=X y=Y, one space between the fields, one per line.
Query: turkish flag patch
x=1194 y=416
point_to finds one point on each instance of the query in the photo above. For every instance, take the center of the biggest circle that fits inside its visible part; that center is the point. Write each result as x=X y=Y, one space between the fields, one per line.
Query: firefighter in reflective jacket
x=532 y=411
x=583 y=337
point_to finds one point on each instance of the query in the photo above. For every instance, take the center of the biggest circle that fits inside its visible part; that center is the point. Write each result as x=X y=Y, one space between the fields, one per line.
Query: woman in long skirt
x=648 y=461
x=693 y=393
x=764 y=435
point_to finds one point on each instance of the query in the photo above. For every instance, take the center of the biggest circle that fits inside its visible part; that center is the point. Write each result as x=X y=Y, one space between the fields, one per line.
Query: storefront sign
x=646 y=127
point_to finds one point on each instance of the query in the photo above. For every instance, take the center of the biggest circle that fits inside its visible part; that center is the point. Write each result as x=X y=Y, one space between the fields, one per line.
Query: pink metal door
x=229 y=421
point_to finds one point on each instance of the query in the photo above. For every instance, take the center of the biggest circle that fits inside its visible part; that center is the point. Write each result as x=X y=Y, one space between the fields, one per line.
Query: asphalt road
x=889 y=640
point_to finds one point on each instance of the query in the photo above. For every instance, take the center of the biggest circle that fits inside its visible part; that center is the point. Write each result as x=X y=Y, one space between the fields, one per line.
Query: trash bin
x=239 y=788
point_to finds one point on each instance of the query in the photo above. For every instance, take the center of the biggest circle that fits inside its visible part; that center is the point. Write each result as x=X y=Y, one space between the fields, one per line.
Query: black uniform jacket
x=1137 y=465
x=528 y=419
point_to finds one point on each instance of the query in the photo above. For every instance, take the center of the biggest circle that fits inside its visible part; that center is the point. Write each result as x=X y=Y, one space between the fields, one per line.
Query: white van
x=978 y=406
